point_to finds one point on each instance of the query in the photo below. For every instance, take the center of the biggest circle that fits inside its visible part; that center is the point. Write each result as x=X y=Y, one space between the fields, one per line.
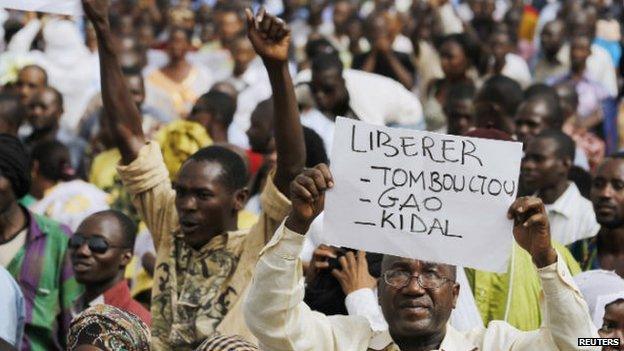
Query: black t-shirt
x=382 y=66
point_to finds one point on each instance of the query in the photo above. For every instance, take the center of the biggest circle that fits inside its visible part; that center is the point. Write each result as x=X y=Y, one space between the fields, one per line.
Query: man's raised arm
x=566 y=317
x=120 y=111
x=270 y=37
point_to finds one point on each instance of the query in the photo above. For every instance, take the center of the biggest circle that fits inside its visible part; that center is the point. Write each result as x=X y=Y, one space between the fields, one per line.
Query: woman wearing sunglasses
x=100 y=250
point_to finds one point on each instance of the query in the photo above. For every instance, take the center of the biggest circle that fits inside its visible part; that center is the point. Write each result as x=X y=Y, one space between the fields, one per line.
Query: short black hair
x=468 y=46
x=57 y=94
x=229 y=6
x=538 y=89
x=565 y=145
x=11 y=110
x=315 y=148
x=502 y=91
x=548 y=95
x=234 y=172
x=327 y=61
x=129 y=229
x=461 y=91
x=54 y=160
x=318 y=46
x=220 y=105
x=40 y=69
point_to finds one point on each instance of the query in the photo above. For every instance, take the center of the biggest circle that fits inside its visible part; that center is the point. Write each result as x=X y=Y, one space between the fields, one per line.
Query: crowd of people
x=163 y=169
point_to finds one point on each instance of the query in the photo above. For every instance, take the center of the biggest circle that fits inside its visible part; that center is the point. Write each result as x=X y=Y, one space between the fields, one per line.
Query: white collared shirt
x=572 y=217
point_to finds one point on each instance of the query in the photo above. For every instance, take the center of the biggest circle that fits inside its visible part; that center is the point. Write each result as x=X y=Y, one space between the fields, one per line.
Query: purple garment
x=591 y=93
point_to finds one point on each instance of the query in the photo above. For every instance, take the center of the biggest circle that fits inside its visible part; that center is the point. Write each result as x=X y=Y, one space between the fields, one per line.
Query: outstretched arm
x=270 y=37
x=120 y=111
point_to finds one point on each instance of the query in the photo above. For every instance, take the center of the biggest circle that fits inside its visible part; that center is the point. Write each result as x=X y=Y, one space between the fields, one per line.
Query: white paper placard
x=61 y=7
x=422 y=195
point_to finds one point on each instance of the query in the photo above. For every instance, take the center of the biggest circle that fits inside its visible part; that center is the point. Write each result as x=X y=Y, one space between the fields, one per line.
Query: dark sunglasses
x=96 y=244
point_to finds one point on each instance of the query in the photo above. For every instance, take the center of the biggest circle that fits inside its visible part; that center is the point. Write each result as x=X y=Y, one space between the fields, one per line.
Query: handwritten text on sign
x=62 y=7
x=423 y=195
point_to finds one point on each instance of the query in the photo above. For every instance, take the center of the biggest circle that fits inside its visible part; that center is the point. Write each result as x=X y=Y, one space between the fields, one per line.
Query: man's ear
x=567 y=163
x=126 y=258
x=240 y=198
x=456 y=288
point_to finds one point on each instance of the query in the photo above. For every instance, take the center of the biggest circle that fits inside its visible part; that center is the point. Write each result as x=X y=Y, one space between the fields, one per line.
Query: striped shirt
x=43 y=270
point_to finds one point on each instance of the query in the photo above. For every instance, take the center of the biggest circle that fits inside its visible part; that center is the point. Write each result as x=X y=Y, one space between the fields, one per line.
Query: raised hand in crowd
x=270 y=37
x=307 y=194
x=122 y=113
x=532 y=230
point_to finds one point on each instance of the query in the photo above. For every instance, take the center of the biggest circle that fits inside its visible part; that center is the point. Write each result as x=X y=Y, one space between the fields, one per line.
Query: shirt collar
x=222 y=241
x=454 y=341
x=565 y=203
x=34 y=231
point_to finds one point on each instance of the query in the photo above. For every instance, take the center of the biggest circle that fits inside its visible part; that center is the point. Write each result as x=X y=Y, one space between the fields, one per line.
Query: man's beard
x=617 y=222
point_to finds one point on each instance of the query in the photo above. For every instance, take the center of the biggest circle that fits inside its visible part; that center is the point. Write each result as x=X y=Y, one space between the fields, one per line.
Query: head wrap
x=179 y=140
x=489 y=133
x=15 y=164
x=599 y=288
x=219 y=342
x=108 y=328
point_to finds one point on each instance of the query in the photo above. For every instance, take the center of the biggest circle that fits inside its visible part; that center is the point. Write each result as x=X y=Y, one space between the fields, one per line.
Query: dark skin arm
x=121 y=112
x=270 y=37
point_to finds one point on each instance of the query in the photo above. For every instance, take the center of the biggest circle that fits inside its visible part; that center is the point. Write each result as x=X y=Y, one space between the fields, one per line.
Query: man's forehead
x=611 y=168
x=198 y=173
x=389 y=261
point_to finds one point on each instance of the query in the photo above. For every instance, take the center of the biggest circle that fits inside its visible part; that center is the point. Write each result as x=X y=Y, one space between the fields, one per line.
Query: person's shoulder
x=51 y=228
x=360 y=79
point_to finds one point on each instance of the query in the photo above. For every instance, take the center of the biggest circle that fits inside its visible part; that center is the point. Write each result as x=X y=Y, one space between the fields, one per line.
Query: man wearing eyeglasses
x=416 y=297
x=100 y=250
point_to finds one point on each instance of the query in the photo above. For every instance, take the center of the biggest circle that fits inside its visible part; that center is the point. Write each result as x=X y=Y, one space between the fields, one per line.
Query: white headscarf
x=599 y=288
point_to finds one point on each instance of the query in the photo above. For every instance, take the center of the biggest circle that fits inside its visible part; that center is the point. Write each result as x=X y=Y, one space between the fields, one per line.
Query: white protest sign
x=422 y=195
x=61 y=7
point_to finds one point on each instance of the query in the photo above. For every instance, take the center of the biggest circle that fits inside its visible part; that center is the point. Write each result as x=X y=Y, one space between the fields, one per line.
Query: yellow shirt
x=196 y=292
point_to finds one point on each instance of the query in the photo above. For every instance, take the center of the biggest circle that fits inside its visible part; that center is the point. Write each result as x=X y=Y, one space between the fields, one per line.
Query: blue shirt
x=13 y=313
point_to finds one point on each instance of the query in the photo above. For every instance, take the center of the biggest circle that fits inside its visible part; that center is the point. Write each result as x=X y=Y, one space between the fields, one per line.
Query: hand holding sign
x=269 y=35
x=308 y=197
x=532 y=230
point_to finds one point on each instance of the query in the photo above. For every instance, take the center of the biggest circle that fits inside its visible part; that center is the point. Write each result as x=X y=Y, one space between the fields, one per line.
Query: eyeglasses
x=399 y=279
x=96 y=244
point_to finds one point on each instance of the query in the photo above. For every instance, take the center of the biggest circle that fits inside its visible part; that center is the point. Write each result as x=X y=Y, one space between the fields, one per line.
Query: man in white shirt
x=251 y=81
x=544 y=172
x=365 y=96
x=416 y=297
